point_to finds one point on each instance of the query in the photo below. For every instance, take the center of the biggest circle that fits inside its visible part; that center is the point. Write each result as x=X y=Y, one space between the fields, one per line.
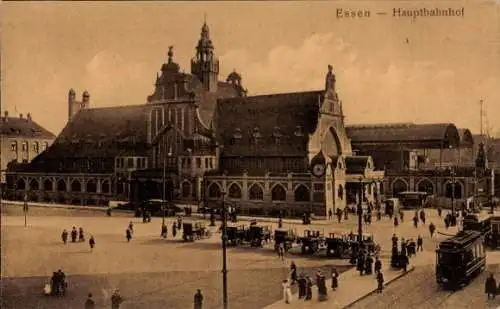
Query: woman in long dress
x=287 y=291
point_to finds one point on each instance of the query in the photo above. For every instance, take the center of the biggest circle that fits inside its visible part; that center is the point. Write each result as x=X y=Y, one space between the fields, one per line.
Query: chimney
x=21 y=115
x=28 y=116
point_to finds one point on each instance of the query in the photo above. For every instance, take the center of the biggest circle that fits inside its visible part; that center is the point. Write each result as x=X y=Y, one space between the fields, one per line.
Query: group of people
x=57 y=284
x=305 y=284
x=116 y=300
x=80 y=235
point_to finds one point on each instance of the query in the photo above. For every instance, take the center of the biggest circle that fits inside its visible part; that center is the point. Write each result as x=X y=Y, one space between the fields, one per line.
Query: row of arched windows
x=76 y=185
x=256 y=193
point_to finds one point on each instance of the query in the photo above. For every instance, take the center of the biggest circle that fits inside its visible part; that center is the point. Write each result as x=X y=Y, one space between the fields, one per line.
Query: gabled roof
x=428 y=135
x=466 y=138
x=356 y=164
x=23 y=127
x=267 y=125
x=103 y=132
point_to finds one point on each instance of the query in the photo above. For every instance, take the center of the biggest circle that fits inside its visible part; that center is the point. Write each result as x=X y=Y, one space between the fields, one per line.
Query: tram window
x=468 y=256
x=447 y=258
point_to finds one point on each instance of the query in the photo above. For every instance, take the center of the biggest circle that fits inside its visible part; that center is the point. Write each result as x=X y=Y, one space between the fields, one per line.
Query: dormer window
x=299 y=131
x=277 y=135
x=256 y=135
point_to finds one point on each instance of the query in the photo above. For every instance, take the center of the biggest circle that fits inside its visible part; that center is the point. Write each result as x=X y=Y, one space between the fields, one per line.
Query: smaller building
x=21 y=139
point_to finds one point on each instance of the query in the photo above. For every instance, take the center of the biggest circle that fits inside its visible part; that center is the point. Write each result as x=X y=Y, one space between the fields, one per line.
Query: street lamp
x=224 y=251
x=452 y=191
x=25 y=209
x=360 y=211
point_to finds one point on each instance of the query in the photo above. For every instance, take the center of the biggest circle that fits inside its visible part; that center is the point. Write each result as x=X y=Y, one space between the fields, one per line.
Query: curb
x=34 y=204
x=375 y=290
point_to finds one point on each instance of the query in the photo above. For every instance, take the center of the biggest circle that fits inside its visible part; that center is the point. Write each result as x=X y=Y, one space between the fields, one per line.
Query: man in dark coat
x=293 y=272
x=89 y=303
x=64 y=236
x=420 y=243
x=116 y=300
x=198 y=300
x=396 y=222
x=422 y=216
x=378 y=265
x=394 y=240
x=361 y=263
x=74 y=234
x=309 y=285
x=432 y=229
x=380 y=281
x=490 y=287
x=302 y=286
x=368 y=265
x=415 y=221
x=128 y=235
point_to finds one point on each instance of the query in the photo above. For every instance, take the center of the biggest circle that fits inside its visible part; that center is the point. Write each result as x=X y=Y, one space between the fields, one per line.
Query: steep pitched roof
x=23 y=127
x=103 y=132
x=267 y=125
x=408 y=133
x=466 y=138
x=356 y=164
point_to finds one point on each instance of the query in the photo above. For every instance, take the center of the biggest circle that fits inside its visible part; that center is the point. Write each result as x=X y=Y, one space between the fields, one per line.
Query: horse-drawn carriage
x=311 y=241
x=257 y=235
x=192 y=231
x=285 y=237
x=337 y=246
x=236 y=234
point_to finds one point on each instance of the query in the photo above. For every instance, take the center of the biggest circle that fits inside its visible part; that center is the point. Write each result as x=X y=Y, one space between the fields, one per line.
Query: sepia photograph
x=250 y=154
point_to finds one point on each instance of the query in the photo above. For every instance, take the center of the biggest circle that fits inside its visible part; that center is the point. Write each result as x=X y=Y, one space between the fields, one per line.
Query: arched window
x=256 y=193
x=105 y=187
x=278 y=193
x=61 y=185
x=425 y=185
x=340 y=192
x=302 y=194
x=457 y=188
x=21 y=184
x=91 y=186
x=76 y=186
x=399 y=186
x=186 y=189
x=234 y=191
x=214 y=191
x=34 y=185
x=47 y=185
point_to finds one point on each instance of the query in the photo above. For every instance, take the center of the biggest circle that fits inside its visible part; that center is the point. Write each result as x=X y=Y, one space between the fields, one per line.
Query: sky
x=388 y=69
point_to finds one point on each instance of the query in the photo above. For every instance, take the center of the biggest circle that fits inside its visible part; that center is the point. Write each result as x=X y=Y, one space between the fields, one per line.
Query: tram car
x=194 y=230
x=459 y=259
x=311 y=241
x=257 y=235
x=284 y=236
x=337 y=246
x=367 y=242
x=236 y=234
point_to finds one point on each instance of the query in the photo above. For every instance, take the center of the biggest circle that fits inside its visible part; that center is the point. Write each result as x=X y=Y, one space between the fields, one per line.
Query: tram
x=478 y=222
x=459 y=259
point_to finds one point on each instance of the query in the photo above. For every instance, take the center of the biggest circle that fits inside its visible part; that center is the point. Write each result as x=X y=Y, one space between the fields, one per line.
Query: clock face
x=318 y=169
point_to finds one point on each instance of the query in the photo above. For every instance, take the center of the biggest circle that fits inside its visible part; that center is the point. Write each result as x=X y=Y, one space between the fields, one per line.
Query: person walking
x=293 y=273
x=287 y=291
x=490 y=287
x=420 y=243
x=335 y=279
x=89 y=303
x=378 y=265
x=116 y=300
x=131 y=227
x=74 y=234
x=432 y=229
x=164 y=231
x=128 y=235
x=91 y=243
x=198 y=299
x=81 y=235
x=174 y=230
x=309 y=285
x=302 y=286
x=380 y=282
x=330 y=214
x=64 y=236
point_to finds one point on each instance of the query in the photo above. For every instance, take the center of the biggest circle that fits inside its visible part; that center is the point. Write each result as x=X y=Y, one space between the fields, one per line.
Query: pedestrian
x=64 y=236
x=81 y=236
x=401 y=215
x=179 y=222
x=302 y=286
x=335 y=279
x=405 y=261
x=403 y=246
x=368 y=265
x=293 y=273
x=198 y=299
x=490 y=287
x=394 y=240
x=378 y=265
x=174 y=230
x=322 y=290
x=164 y=231
x=287 y=291
x=361 y=263
x=74 y=234
x=131 y=227
x=116 y=300
x=309 y=285
x=91 y=243
x=128 y=235
x=432 y=229
x=379 y=215
x=420 y=243
x=280 y=222
x=422 y=216
x=89 y=303
x=61 y=280
x=281 y=252
x=396 y=222
x=440 y=211
x=380 y=281
x=330 y=214
x=415 y=221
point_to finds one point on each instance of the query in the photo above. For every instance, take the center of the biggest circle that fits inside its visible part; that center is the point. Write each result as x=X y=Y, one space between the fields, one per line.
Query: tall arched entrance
x=399 y=185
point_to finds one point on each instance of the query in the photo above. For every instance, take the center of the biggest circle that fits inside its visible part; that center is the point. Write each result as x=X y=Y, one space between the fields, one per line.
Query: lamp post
x=25 y=209
x=224 y=251
x=360 y=211
x=452 y=191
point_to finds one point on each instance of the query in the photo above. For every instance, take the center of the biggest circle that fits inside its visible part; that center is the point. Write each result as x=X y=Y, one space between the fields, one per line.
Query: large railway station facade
x=196 y=138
